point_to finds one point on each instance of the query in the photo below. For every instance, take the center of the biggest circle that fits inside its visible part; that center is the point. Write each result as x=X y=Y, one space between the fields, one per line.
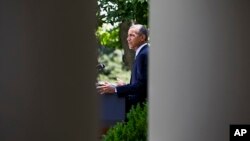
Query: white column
x=199 y=69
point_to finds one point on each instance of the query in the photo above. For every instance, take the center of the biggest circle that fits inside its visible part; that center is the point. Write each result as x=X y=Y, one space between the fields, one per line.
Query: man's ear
x=143 y=37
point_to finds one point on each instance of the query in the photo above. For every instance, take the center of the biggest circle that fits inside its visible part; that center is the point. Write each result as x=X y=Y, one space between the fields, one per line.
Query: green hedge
x=135 y=129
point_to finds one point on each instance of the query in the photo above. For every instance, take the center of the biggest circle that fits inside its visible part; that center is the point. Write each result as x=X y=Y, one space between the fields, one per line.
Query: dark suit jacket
x=136 y=91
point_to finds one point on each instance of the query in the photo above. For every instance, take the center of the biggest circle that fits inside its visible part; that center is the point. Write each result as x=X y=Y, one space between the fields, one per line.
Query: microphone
x=100 y=66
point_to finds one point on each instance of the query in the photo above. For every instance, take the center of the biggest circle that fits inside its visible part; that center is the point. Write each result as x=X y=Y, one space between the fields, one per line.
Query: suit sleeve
x=140 y=86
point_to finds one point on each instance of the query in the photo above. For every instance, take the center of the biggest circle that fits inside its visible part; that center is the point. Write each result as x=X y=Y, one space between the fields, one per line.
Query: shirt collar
x=138 y=50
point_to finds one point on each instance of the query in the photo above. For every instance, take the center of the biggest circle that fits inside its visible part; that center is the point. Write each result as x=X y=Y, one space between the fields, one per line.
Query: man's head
x=137 y=35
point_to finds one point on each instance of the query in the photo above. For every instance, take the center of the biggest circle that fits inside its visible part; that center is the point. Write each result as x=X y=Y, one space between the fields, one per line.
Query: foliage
x=135 y=129
x=114 y=67
x=108 y=36
x=113 y=11
x=120 y=14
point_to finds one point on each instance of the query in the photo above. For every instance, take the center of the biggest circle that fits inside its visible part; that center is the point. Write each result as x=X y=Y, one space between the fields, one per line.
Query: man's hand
x=120 y=82
x=106 y=88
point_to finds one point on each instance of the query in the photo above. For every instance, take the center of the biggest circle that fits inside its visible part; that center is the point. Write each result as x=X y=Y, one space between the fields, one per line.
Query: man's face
x=134 y=38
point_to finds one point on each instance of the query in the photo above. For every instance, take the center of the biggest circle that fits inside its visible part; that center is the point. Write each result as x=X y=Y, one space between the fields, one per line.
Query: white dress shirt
x=138 y=50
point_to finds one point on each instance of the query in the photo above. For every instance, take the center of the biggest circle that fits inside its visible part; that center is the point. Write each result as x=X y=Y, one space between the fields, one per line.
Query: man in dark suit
x=136 y=91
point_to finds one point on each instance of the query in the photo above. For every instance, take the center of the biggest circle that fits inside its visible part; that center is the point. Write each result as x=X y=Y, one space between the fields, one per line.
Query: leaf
x=133 y=130
x=120 y=10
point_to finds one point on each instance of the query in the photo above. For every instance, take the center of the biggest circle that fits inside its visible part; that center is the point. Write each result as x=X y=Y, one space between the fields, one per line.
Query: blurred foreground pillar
x=47 y=71
x=199 y=69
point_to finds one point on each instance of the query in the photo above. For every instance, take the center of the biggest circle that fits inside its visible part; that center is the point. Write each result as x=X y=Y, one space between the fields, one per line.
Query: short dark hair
x=142 y=30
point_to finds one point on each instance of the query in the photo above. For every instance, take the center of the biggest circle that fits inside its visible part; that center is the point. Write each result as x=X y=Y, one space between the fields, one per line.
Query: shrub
x=135 y=129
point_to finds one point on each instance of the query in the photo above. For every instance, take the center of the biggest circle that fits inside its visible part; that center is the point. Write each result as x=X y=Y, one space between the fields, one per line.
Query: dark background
x=47 y=70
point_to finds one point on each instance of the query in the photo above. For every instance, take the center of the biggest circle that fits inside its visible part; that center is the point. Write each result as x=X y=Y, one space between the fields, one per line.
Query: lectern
x=112 y=109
